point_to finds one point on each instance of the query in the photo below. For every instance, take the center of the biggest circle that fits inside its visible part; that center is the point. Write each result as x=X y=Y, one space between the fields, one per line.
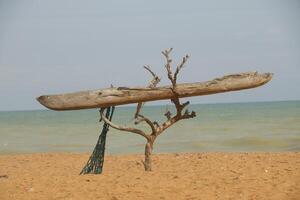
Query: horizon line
x=129 y=105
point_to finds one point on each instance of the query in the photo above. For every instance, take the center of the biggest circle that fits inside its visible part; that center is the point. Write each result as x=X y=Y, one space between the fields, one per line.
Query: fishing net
x=96 y=160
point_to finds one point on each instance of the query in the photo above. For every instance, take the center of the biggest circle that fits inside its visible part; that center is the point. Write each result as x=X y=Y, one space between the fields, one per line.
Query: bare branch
x=175 y=119
x=101 y=111
x=188 y=115
x=122 y=128
x=179 y=116
x=173 y=78
x=156 y=79
x=179 y=67
x=167 y=51
x=168 y=65
x=147 y=67
x=148 y=121
x=153 y=83
x=177 y=104
x=185 y=104
x=167 y=124
x=179 y=107
x=138 y=109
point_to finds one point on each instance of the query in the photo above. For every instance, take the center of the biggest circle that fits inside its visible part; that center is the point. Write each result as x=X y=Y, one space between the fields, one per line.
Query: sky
x=58 y=46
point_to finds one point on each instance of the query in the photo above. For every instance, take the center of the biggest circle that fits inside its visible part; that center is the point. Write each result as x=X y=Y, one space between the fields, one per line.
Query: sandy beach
x=175 y=176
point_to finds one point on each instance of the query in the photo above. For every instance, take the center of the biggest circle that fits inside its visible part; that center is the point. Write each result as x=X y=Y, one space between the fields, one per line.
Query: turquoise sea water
x=264 y=126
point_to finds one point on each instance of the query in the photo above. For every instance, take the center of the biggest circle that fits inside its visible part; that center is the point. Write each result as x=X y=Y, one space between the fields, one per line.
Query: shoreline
x=211 y=175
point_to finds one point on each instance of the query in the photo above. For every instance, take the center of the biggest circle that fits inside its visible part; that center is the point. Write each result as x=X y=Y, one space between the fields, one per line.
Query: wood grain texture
x=123 y=95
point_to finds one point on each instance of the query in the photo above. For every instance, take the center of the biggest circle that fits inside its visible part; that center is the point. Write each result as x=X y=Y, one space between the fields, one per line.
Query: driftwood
x=124 y=95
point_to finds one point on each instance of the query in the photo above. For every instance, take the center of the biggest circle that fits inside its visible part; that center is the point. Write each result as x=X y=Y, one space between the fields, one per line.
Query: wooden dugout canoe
x=124 y=95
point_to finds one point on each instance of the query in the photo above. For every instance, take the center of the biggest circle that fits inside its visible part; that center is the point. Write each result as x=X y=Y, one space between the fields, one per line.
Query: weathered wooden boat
x=125 y=95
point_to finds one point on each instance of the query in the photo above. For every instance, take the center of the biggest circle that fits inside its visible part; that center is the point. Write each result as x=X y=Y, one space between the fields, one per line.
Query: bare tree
x=156 y=128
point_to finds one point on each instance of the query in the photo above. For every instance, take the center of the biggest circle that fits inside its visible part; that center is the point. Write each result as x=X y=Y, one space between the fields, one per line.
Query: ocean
x=230 y=127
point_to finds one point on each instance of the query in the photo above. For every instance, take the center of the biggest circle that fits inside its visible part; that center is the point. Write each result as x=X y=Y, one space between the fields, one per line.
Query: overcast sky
x=59 y=46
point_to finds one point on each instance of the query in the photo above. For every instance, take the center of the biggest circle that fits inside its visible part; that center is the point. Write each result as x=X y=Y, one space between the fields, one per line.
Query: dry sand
x=175 y=176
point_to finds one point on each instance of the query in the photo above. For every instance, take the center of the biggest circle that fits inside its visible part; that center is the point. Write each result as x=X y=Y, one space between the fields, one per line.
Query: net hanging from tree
x=96 y=160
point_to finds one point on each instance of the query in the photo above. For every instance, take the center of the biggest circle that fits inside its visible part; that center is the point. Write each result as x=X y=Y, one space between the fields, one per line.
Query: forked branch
x=122 y=128
x=155 y=80
x=173 y=78
x=179 y=116
x=148 y=121
x=166 y=53
x=179 y=67
x=179 y=107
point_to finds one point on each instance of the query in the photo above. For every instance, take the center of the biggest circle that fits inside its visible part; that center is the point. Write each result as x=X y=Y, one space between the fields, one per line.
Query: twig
x=153 y=83
x=179 y=67
x=173 y=78
x=168 y=65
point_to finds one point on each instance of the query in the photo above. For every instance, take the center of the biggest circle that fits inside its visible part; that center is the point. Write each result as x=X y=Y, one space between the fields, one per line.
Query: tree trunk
x=123 y=95
x=148 y=161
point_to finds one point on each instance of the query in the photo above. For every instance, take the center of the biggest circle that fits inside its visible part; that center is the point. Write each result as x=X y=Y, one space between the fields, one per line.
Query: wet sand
x=174 y=176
